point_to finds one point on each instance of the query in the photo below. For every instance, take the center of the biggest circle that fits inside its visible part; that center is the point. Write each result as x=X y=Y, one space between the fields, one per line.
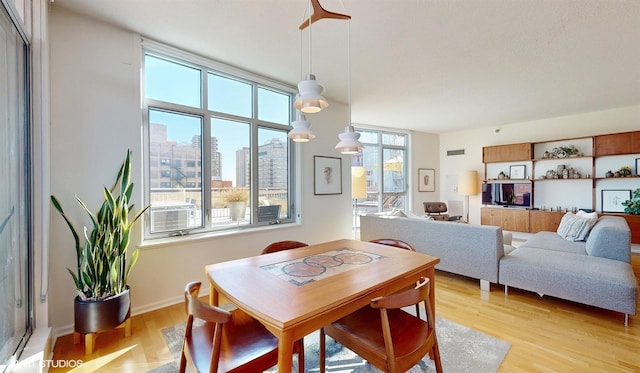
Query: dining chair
x=282 y=245
x=399 y=244
x=386 y=336
x=227 y=341
x=394 y=242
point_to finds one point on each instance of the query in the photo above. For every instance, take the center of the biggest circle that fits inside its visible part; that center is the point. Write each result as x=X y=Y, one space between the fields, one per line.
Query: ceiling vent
x=455 y=152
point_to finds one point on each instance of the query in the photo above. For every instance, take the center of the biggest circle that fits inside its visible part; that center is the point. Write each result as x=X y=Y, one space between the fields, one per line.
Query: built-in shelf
x=596 y=155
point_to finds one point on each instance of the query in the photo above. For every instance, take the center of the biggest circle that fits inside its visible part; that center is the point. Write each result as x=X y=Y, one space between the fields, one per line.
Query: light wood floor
x=546 y=334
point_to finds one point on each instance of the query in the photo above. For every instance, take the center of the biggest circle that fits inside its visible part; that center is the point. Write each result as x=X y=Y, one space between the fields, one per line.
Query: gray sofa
x=596 y=272
x=469 y=250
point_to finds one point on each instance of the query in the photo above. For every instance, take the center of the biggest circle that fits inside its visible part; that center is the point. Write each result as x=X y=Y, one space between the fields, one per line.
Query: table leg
x=213 y=295
x=431 y=274
x=285 y=353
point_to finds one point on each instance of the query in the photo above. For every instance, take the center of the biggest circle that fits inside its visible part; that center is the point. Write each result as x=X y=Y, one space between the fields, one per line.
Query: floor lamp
x=358 y=191
x=468 y=186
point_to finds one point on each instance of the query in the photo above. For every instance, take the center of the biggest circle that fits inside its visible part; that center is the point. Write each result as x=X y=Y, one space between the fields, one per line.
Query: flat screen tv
x=507 y=194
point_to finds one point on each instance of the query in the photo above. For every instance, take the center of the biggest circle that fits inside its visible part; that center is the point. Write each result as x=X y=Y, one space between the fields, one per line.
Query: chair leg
x=435 y=352
x=301 y=356
x=323 y=351
x=183 y=361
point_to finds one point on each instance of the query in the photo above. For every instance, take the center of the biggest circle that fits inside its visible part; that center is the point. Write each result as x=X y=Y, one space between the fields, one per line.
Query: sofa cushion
x=600 y=282
x=574 y=227
x=610 y=238
x=553 y=242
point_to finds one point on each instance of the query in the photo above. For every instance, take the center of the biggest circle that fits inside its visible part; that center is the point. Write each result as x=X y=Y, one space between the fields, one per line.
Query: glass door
x=15 y=295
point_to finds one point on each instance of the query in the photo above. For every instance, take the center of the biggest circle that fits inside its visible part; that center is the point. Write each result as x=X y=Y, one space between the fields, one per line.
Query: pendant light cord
x=349 y=69
x=310 y=49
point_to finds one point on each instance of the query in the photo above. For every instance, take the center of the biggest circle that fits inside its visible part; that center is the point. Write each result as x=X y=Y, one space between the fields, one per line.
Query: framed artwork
x=517 y=171
x=327 y=175
x=612 y=199
x=637 y=166
x=426 y=180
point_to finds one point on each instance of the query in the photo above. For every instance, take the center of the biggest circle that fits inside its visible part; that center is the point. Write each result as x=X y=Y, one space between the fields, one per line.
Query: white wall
x=425 y=153
x=587 y=124
x=96 y=116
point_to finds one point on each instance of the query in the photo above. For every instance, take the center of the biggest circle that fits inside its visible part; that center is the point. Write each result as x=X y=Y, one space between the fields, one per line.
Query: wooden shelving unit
x=582 y=192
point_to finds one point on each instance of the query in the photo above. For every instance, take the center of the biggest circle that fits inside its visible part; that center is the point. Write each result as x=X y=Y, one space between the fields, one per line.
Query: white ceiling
x=434 y=66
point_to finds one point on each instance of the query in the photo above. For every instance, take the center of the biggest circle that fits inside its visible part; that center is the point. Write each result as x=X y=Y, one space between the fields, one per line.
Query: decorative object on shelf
x=569 y=150
x=608 y=174
x=613 y=199
x=426 y=180
x=517 y=171
x=502 y=176
x=625 y=171
x=327 y=175
x=637 y=166
x=632 y=206
x=562 y=152
x=562 y=172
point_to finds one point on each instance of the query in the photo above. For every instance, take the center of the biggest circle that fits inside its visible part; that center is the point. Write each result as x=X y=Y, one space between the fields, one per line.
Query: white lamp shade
x=349 y=143
x=468 y=183
x=310 y=100
x=301 y=131
x=358 y=182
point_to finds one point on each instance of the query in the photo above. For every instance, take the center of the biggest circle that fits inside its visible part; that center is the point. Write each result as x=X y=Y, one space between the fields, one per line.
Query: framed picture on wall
x=426 y=180
x=327 y=175
x=612 y=199
x=517 y=171
x=638 y=166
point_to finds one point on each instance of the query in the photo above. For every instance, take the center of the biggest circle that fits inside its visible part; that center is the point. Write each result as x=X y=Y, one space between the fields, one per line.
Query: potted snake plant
x=102 y=269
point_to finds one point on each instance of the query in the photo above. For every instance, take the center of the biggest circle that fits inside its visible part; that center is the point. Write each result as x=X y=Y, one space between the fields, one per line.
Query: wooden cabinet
x=544 y=220
x=617 y=143
x=510 y=219
x=491 y=216
x=507 y=153
x=516 y=220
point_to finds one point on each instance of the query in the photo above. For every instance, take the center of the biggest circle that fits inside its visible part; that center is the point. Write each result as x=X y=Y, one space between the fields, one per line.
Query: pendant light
x=349 y=143
x=310 y=99
x=301 y=131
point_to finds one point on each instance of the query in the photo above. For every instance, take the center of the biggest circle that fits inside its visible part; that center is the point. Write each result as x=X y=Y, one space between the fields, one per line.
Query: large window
x=385 y=158
x=218 y=156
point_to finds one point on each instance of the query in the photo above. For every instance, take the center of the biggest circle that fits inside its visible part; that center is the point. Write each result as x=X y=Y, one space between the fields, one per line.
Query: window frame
x=207 y=66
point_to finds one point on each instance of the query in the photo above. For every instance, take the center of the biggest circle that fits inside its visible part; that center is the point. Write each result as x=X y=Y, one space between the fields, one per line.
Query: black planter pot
x=102 y=315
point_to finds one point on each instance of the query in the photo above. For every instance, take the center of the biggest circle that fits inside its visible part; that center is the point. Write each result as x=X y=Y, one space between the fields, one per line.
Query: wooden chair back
x=282 y=245
x=386 y=335
x=394 y=242
x=227 y=341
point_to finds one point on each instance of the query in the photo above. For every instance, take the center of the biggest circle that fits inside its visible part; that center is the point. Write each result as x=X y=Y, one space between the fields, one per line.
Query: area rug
x=462 y=349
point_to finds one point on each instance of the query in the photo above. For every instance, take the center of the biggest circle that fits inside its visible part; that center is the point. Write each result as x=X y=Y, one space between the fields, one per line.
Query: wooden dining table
x=295 y=292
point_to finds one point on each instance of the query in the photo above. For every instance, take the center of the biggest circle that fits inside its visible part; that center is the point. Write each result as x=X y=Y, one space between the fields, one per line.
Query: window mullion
x=206 y=153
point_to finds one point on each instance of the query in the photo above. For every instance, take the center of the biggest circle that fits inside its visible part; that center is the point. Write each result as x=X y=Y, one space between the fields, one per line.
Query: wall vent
x=455 y=152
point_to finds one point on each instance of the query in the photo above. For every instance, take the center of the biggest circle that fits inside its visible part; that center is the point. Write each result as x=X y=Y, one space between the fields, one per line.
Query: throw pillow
x=573 y=227
x=398 y=212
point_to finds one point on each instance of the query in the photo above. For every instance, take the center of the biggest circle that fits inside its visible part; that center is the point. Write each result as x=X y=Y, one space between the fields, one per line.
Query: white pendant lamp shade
x=301 y=131
x=309 y=99
x=349 y=143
